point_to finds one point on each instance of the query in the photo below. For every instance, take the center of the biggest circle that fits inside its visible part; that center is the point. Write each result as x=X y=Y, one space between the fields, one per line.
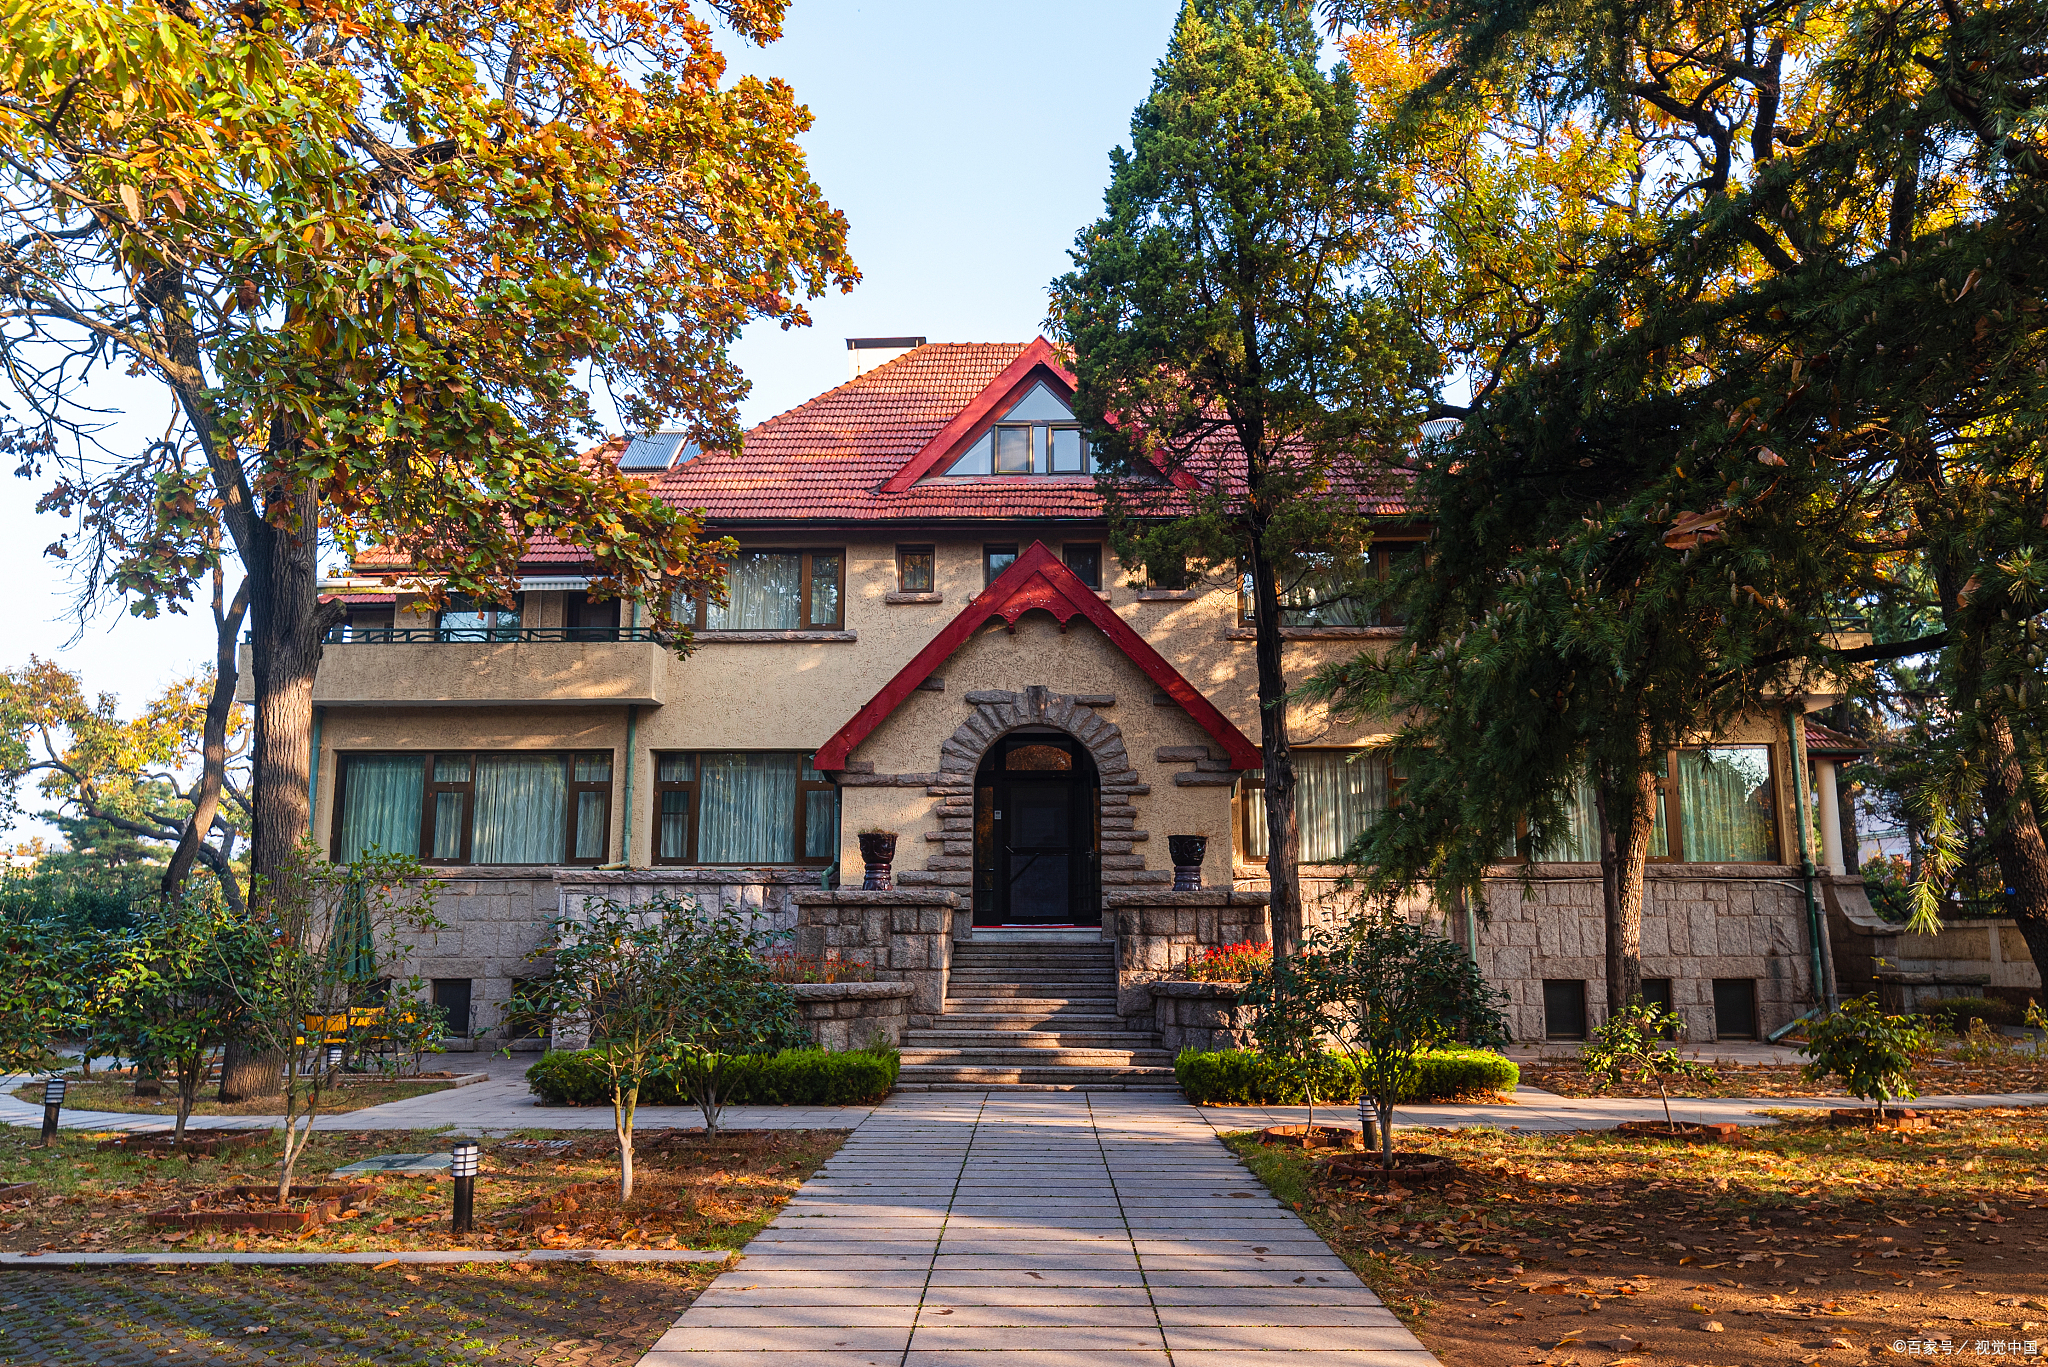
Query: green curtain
x=380 y=806
x=1724 y=805
x=521 y=810
x=353 y=944
x=746 y=809
x=1337 y=794
x=1579 y=840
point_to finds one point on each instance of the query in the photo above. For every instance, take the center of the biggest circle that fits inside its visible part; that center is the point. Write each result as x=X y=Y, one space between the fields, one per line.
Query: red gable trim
x=1002 y=394
x=1037 y=580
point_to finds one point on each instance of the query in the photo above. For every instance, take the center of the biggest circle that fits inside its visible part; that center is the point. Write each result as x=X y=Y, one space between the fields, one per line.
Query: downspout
x=313 y=780
x=1816 y=923
x=626 y=789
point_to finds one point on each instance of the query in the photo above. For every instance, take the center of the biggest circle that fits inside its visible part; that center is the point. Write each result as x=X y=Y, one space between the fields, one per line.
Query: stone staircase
x=1033 y=1010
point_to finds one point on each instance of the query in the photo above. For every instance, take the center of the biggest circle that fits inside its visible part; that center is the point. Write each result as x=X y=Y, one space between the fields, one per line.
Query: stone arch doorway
x=1037 y=832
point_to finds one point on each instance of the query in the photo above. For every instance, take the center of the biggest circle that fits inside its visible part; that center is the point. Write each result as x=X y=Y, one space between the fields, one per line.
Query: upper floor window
x=469 y=619
x=774 y=591
x=1084 y=558
x=590 y=619
x=462 y=807
x=994 y=560
x=1038 y=436
x=915 y=570
x=1338 y=600
x=743 y=807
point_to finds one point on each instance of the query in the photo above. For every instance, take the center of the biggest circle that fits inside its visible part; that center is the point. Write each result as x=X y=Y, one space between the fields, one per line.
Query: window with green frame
x=473 y=807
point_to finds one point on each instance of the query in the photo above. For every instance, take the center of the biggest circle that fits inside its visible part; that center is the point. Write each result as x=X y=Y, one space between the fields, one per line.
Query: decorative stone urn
x=878 y=853
x=1187 y=852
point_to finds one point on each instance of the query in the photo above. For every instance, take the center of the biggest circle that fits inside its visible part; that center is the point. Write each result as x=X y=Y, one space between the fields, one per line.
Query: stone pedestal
x=906 y=934
x=1157 y=929
x=854 y=1015
x=1203 y=1016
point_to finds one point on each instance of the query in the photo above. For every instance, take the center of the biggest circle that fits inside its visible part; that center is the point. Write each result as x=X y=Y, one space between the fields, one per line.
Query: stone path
x=1050 y=1230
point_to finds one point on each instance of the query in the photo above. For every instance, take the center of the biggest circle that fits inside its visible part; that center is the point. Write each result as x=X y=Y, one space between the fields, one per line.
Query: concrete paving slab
x=690 y=1337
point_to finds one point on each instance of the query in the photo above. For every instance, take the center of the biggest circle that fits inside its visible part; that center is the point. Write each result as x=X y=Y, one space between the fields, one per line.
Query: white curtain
x=381 y=805
x=1579 y=840
x=1337 y=794
x=520 y=810
x=746 y=809
x=764 y=592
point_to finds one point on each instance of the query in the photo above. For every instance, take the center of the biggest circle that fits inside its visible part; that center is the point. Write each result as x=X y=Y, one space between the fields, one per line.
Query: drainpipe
x=313 y=779
x=1816 y=921
x=626 y=786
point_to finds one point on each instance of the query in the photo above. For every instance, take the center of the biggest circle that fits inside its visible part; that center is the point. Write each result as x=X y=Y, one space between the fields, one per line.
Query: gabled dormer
x=1021 y=424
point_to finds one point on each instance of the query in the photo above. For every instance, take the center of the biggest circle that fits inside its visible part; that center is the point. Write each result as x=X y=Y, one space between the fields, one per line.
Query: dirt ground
x=543 y=1189
x=1997 y=1072
x=1796 y=1243
x=352 y=1095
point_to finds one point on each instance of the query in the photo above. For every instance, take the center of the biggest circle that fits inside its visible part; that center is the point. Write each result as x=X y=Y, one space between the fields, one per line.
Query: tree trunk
x=2016 y=840
x=623 y=1104
x=1283 y=823
x=286 y=623
x=227 y=622
x=245 y=1076
x=1628 y=818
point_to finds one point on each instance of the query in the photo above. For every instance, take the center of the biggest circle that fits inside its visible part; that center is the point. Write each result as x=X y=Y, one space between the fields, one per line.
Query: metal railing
x=378 y=636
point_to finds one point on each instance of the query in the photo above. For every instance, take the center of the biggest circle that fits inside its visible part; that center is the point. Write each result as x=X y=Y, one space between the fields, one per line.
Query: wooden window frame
x=1240 y=810
x=691 y=786
x=996 y=548
x=1674 y=832
x=838 y=623
x=1381 y=558
x=1095 y=546
x=902 y=554
x=430 y=787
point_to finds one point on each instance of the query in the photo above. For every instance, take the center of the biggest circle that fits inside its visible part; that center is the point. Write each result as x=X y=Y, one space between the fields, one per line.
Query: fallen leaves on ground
x=1779 y=1244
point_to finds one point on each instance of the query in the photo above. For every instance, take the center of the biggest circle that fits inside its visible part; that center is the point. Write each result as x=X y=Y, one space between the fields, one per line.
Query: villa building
x=928 y=633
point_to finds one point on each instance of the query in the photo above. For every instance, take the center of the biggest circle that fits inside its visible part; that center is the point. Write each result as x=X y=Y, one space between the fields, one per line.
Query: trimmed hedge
x=1956 y=1013
x=1241 y=1077
x=794 y=1077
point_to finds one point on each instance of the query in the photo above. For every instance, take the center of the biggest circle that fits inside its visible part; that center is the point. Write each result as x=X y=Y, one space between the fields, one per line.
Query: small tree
x=1633 y=1040
x=1287 y=1024
x=169 y=994
x=665 y=988
x=1387 y=991
x=327 y=941
x=39 y=994
x=1870 y=1051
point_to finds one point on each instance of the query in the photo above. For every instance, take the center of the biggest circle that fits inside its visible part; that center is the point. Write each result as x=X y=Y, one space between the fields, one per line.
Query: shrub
x=1954 y=1014
x=794 y=1077
x=1227 y=963
x=1242 y=1077
x=792 y=967
x=1870 y=1051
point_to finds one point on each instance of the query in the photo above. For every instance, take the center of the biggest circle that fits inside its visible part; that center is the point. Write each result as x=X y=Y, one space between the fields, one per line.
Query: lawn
x=352 y=1095
x=537 y=1315
x=1796 y=1243
x=542 y=1189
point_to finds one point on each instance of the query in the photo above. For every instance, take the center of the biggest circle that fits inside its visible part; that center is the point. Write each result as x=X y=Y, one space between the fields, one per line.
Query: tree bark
x=1628 y=818
x=286 y=625
x=1283 y=824
x=245 y=1075
x=214 y=746
x=2016 y=841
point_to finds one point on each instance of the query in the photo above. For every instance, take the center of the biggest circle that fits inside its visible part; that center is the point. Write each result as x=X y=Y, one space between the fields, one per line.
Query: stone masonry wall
x=1157 y=929
x=906 y=934
x=854 y=1015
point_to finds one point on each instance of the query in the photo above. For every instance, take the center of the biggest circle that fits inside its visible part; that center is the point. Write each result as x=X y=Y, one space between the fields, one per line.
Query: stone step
x=999 y=1017
x=937 y=1077
x=1031 y=994
x=1097 y=1002
x=1065 y=977
x=984 y=1057
x=1027 y=1038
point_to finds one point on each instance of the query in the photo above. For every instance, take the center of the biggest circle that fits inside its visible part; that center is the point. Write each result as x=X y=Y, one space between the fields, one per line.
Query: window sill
x=895 y=598
x=764 y=637
x=1168 y=595
x=1320 y=634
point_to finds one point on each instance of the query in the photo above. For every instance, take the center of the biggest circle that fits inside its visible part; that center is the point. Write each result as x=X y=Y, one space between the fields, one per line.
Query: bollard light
x=53 y=1102
x=467 y=1157
x=333 y=1058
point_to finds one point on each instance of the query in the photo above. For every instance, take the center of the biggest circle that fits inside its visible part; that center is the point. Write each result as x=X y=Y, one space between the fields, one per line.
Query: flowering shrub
x=792 y=967
x=1228 y=963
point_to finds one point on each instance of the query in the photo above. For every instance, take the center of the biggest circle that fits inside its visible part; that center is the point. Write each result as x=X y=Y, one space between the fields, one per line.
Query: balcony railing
x=384 y=636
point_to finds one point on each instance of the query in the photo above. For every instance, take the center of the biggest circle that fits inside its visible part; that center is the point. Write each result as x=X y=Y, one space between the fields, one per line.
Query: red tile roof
x=1825 y=740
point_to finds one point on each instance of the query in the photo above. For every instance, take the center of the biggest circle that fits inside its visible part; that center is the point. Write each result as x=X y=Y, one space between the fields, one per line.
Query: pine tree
x=1227 y=334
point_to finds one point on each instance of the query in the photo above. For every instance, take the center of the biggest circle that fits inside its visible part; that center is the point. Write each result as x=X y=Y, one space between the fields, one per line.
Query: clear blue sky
x=966 y=144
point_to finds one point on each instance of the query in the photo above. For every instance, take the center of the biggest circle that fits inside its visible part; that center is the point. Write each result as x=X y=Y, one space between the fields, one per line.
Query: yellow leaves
x=132 y=202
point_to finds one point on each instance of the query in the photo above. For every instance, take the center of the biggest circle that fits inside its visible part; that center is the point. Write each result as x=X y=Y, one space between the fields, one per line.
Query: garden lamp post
x=466 y=1160
x=53 y=1102
x=334 y=1059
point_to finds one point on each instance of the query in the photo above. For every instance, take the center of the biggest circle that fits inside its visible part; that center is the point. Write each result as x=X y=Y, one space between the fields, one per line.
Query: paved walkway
x=1052 y=1230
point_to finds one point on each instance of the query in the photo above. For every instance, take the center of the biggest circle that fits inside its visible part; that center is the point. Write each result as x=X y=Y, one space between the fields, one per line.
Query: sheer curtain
x=520 y=810
x=1337 y=793
x=380 y=805
x=764 y=592
x=1579 y=840
x=1724 y=805
x=746 y=809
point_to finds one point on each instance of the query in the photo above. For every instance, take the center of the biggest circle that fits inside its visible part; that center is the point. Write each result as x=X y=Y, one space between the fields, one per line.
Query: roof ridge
x=861 y=378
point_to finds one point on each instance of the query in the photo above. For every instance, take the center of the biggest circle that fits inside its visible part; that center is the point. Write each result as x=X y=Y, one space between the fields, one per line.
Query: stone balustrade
x=906 y=934
x=854 y=1015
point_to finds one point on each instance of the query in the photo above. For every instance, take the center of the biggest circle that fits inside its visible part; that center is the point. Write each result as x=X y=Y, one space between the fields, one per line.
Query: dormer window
x=1038 y=436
